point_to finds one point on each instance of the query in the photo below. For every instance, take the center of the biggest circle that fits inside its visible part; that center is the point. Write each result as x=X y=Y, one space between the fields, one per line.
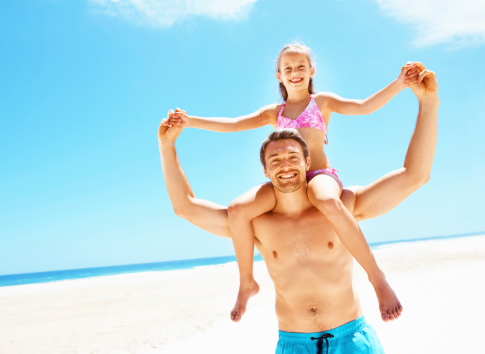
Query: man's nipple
x=330 y=245
x=275 y=254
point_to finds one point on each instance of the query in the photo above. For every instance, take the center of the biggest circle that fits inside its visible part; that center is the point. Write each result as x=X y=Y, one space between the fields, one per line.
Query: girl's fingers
x=173 y=117
x=409 y=64
x=180 y=110
x=412 y=75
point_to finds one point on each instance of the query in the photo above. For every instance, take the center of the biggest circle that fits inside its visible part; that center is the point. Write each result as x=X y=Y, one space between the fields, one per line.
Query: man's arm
x=387 y=192
x=202 y=213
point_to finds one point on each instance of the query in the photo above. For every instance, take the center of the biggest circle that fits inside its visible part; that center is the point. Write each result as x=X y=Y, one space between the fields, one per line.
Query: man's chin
x=287 y=189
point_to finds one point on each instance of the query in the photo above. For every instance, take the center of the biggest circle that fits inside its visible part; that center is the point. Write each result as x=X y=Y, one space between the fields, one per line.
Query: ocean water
x=45 y=277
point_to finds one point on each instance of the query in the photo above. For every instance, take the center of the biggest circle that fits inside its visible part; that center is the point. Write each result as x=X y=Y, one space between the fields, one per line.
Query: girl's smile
x=295 y=70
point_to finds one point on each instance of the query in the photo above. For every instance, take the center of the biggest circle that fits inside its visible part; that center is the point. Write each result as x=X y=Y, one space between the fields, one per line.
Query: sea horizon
x=80 y=273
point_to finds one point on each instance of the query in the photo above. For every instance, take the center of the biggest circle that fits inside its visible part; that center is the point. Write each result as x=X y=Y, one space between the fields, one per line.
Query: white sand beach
x=440 y=284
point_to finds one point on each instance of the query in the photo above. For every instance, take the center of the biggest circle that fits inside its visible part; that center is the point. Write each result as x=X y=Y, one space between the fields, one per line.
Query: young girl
x=309 y=113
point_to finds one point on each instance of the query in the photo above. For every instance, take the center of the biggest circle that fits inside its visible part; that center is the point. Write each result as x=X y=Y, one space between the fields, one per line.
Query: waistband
x=343 y=330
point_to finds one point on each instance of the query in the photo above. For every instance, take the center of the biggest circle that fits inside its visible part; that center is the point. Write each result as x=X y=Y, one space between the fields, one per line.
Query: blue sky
x=84 y=84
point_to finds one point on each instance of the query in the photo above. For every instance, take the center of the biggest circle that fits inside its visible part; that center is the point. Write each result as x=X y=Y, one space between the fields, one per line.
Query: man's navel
x=313 y=310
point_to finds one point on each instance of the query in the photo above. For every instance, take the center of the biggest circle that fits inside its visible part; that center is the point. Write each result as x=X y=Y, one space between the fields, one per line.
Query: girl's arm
x=262 y=117
x=337 y=104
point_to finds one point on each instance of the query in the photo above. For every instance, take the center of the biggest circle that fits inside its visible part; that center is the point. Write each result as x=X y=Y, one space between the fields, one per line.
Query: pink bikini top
x=309 y=118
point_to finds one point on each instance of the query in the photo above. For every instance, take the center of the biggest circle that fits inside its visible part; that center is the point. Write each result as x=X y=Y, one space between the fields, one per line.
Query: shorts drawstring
x=320 y=341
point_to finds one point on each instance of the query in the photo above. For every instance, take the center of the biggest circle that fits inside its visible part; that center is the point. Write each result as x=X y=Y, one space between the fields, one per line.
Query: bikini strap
x=281 y=109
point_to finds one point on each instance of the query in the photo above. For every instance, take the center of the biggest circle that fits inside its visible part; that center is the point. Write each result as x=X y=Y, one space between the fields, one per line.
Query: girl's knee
x=330 y=205
x=236 y=209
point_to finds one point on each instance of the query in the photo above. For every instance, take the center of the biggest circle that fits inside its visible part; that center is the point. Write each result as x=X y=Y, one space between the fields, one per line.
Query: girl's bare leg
x=324 y=193
x=241 y=211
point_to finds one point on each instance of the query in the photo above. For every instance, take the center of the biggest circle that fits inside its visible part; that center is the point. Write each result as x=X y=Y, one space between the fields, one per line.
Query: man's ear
x=308 y=163
x=266 y=173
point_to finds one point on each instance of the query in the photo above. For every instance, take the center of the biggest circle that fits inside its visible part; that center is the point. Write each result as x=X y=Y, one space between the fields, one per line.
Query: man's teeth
x=288 y=176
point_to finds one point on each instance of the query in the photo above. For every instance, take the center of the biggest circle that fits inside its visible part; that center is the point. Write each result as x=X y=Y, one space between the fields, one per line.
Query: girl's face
x=295 y=71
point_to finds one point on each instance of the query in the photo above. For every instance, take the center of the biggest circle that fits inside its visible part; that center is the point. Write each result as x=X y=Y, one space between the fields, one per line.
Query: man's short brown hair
x=282 y=134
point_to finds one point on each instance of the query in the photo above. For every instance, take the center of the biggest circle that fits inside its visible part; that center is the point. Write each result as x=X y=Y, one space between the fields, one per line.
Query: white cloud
x=456 y=22
x=164 y=13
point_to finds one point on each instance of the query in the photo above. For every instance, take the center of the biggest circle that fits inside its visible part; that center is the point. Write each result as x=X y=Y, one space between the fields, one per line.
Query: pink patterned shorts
x=332 y=172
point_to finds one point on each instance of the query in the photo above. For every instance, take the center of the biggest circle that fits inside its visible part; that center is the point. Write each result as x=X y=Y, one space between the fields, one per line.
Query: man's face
x=286 y=165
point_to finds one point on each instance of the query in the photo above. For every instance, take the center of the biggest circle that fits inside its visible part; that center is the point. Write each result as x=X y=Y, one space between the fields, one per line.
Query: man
x=316 y=304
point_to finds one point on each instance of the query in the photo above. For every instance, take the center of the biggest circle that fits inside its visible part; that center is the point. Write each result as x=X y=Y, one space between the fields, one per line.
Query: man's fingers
x=419 y=66
x=425 y=74
x=430 y=74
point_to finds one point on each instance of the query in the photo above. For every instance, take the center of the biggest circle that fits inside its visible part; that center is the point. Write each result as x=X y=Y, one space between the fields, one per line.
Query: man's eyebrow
x=293 y=152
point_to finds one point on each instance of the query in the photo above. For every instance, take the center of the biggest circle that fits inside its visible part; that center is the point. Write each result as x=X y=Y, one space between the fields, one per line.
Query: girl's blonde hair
x=301 y=49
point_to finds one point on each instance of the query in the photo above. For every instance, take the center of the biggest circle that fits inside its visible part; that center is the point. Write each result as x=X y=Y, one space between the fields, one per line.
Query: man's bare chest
x=302 y=236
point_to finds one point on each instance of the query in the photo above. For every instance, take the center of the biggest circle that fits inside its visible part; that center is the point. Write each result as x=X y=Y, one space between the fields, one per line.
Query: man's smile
x=287 y=175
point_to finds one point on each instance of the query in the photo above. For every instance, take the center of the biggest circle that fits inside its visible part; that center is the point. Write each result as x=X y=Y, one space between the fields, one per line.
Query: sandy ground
x=440 y=284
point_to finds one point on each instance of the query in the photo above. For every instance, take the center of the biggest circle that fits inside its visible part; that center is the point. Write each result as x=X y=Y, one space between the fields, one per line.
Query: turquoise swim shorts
x=353 y=337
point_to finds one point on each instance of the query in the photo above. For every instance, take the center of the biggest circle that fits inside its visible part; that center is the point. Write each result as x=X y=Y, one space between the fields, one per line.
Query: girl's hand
x=179 y=117
x=409 y=73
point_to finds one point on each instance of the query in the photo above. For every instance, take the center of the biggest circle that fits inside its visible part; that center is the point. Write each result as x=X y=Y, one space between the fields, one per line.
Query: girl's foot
x=389 y=305
x=245 y=292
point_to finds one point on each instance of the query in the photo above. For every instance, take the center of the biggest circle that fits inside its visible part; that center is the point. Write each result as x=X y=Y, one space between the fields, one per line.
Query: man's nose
x=285 y=163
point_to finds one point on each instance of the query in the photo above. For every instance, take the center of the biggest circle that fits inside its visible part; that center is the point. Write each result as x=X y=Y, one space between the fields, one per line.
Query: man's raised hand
x=168 y=132
x=425 y=84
